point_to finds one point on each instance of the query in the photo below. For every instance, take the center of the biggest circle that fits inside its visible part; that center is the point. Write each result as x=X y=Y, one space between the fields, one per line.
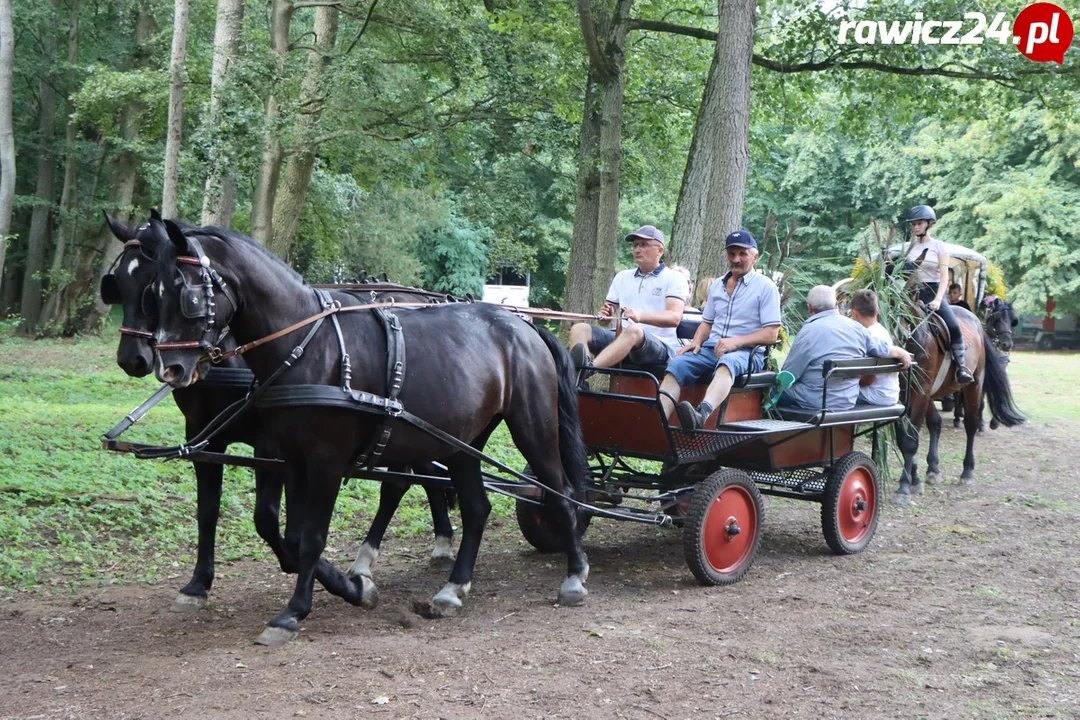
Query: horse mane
x=167 y=253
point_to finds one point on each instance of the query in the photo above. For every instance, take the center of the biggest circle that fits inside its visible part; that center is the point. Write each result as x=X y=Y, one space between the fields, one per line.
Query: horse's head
x=127 y=284
x=192 y=303
x=1000 y=320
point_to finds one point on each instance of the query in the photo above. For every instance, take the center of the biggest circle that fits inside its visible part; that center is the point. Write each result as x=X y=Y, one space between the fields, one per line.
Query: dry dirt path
x=964 y=606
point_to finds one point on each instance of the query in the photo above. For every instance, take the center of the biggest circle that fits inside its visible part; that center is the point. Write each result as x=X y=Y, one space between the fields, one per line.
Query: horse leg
x=933 y=424
x=268 y=487
x=317 y=497
x=907 y=438
x=208 y=503
x=973 y=400
x=390 y=495
x=982 y=421
x=442 y=554
x=475 y=508
x=958 y=411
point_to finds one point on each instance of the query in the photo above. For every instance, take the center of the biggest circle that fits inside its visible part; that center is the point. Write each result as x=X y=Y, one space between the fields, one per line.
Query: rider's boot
x=963 y=376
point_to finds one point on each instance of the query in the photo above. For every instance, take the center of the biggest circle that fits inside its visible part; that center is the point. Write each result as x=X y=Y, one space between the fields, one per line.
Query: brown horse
x=936 y=379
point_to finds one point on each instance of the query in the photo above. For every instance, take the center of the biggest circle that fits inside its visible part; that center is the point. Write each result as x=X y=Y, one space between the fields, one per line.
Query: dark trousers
x=927 y=292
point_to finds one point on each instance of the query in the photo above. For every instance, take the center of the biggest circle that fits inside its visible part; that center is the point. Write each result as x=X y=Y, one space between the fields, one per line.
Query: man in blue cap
x=741 y=312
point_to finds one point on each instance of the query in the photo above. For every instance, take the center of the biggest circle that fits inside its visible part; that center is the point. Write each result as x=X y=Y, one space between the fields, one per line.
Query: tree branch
x=835 y=62
x=592 y=45
x=371 y=10
x=316 y=3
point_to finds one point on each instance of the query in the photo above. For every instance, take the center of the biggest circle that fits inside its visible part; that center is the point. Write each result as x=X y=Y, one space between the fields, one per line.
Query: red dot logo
x=1042 y=32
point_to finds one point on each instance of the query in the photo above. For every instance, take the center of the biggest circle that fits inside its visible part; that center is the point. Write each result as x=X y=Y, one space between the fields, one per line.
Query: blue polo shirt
x=828 y=335
x=754 y=304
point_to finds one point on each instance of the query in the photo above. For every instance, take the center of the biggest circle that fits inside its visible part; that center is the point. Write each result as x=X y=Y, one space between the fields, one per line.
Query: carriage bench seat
x=857 y=414
x=839 y=369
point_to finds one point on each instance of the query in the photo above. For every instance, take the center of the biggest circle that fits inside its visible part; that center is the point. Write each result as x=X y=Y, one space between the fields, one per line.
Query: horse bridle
x=197 y=303
x=996 y=335
x=109 y=280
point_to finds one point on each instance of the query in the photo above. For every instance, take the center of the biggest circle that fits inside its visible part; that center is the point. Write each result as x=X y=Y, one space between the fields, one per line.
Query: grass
x=73 y=514
x=1044 y=386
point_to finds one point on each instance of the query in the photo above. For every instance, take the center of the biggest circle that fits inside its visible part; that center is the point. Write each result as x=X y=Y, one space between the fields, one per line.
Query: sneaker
x=691 y=418
x=580 y=356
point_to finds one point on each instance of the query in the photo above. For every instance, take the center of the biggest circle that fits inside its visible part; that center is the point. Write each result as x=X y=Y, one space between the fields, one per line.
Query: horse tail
x=998 y=394
x=574 y=455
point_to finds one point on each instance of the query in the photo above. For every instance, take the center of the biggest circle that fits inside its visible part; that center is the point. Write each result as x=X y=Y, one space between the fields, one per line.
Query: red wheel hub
x=857 y=505
x=730 y=529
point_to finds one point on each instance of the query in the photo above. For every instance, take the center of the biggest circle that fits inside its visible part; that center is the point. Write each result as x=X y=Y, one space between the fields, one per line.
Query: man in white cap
x=652 y=298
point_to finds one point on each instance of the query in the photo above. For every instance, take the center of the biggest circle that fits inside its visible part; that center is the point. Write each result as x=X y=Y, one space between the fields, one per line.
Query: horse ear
x=178 y=238
x=119 y=230
x=922 y=256
x=154 y=214
x=160 y=234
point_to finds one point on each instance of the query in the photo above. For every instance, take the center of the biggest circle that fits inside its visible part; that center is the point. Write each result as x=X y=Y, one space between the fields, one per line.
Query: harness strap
x=395 y=377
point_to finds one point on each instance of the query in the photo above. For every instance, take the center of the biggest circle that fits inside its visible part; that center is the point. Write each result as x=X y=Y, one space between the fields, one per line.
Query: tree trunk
x=171 y=185
x=688 y=228
x=79 y=307
x=262 y=204
x=40 y=220
x=7 y=137
x=727 y=186
x=578 y=295
x=293 y=192
x=219 y=197
x=68 y=225
x=601 y=158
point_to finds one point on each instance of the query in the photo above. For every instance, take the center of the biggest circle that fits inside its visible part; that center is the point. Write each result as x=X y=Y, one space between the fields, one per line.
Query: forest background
x=441 y=140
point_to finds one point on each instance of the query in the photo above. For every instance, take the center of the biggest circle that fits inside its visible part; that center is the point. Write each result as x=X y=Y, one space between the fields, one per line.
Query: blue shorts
x=692 y=368
x=651 y=352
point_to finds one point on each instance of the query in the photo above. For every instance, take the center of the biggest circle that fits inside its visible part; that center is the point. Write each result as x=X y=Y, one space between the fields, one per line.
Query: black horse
x=469 y=367
x=1000 y=319
x=128 y=285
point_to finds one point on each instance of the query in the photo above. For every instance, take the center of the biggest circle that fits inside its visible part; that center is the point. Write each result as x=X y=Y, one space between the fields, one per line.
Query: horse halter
x=197 y=303
x=110 y=290
x=994 y=326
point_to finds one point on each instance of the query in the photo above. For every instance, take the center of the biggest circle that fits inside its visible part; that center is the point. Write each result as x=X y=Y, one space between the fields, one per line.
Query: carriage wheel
x=723 y=528
x=849 y=510
x=540 y=528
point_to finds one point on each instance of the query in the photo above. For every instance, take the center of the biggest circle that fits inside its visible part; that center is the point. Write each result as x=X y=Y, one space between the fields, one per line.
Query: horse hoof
x=933 y=478
x=966 y=480
x=275 y=636
x=572 y=592
x=442 y=563
x=188 y=603
x=918 y=489
x=369 y=593
x=994 y=424
x=901 y=499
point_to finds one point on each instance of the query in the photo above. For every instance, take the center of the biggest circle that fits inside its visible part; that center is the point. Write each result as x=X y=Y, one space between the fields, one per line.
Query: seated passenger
x=742 y=311
x=652 y=297
x=828 y=335
x=883 y=388
x=956 y=297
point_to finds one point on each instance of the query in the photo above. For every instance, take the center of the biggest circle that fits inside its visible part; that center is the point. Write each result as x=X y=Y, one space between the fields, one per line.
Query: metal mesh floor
x=808 y=480
x=692 y=445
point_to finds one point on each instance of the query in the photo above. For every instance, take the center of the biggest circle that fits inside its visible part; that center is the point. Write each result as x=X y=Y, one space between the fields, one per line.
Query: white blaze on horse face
x=133 y=266
x=160 y=289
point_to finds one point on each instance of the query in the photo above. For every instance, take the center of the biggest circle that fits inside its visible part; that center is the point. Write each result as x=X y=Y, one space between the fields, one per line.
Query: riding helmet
x=921 y=212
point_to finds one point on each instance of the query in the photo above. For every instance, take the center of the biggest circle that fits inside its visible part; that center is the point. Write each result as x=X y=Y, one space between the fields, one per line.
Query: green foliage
x=455 y=257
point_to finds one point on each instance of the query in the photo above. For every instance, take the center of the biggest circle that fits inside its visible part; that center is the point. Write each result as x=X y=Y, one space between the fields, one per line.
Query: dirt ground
x=966 y=605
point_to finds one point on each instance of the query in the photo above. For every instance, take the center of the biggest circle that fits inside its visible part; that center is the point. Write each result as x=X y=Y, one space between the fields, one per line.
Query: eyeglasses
x=641 y=245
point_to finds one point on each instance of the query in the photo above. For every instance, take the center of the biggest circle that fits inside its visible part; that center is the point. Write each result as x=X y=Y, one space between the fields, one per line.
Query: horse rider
x=652 y=297
x=932 y=276
x=741 y=314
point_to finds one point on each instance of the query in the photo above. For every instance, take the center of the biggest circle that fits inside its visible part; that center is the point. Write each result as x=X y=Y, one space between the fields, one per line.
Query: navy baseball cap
x=741 y=238
x=647 y=232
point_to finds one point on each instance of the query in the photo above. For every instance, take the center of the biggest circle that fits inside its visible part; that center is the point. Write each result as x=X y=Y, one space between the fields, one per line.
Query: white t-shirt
x=885 y=390
x=930 y=270
x=649 y=293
